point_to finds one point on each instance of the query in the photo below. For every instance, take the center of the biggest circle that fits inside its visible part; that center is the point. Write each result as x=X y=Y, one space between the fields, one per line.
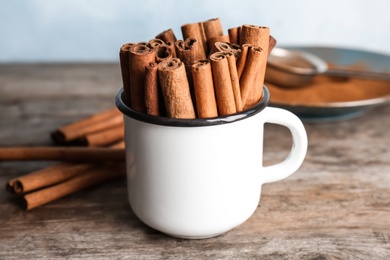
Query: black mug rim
x=167 y=121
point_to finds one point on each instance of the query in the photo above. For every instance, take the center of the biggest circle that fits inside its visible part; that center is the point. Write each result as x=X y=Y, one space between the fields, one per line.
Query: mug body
x=194 y=178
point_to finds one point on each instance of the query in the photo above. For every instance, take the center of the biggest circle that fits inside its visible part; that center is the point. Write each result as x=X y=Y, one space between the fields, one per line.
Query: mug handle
x=297 y=154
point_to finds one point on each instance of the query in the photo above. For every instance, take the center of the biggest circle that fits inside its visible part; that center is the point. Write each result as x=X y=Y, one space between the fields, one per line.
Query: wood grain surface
x=337 y=206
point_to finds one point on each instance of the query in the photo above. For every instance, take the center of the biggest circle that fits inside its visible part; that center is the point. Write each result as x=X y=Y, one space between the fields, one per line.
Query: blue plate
x=340 y=57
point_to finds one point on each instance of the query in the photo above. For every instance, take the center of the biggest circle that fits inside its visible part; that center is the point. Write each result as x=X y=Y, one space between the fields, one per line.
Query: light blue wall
x=93 y=30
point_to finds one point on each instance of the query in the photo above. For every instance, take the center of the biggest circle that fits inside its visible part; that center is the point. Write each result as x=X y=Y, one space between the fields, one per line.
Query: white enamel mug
x=198 y=178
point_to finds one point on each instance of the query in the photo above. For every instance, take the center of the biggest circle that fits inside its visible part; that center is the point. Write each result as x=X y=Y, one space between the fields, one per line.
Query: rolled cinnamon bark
x=140 y=57
x=213 y=29
x=242 y=59
x=163 y=52
x=222 y=84
x=175 y=88
x=70 y=154
x=102 y=138
x=272 y=44
x=234 y=35
x=255 y=35
x=226 y=47
x=211 y=41
x=48 y=176
x=124 y=58
x=252 y=79
x=188 y=52
x=171 y=46
x=235 y=81
x=92 y=124
x=87 y=179
x=204 y=89
x=155 y=43
x=167 y=36
x=152 y=90
x=194 y=31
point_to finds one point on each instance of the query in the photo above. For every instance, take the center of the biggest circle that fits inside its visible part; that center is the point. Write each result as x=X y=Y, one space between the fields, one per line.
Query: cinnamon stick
x=163 y=52
x=188 y=52
x=175 y=88
x=194 y=31
x=211 y=41
x=102 y=138
x=256 y=36
x=124 y=59
x=222 y=84
x=167 y=36
x=50 y=175
x=272 y=44
x=242 y=59
x=46 y=177
x=235 y=80
x=152 y=95
x=87 y=179
x=226 y=47
x=234 y=35
x=140 y=57
x=204 y=89
x=71 y=154
x=213 y=30
x=252 y=79
x=91 y=124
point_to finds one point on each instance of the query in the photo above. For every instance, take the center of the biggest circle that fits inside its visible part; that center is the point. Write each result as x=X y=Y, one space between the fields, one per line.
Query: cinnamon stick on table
x=175 y=88
x=50 y=175
x=206 y=105
x=102 y=138
x=89 y=178
x=69 y=154
x=46 y=177
x=92 y=124
x=222 y=84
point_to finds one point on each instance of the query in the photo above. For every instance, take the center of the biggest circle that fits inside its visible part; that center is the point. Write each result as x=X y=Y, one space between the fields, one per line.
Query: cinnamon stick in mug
x=194 y=31
x=242 y=59
x=235 y=80
x=256 y=36
x=234 y=35
x=140 y=57
x=211 y=42
x=175 y=88
x=124 y=58
x=92 y=124
x=152 y=90
x=206 y=105
x=89 y=178
x=167 y=36
x=252 y=79
x=222 y=84
x=272 y=44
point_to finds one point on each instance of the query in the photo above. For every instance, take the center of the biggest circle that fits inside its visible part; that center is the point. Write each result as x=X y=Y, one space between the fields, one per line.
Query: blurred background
x=93 y=31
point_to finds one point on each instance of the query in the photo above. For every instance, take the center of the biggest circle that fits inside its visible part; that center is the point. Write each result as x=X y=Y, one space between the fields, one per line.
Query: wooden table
x=337 y=206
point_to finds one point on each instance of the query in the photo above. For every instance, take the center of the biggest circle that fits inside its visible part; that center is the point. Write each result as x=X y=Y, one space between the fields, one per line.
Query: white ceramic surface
x=197 y=182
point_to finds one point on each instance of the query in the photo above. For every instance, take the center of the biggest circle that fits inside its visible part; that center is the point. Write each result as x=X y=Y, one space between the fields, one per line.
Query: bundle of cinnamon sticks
x=96 y=155
x=208 y=73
